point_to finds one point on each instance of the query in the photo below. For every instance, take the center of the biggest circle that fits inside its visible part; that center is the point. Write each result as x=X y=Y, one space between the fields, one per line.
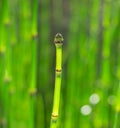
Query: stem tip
x=58 y=38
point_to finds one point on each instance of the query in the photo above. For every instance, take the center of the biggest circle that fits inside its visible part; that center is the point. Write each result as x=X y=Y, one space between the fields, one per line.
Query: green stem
x=34 y=62
x=116 y=120
x=117 y=109
x=58 y=43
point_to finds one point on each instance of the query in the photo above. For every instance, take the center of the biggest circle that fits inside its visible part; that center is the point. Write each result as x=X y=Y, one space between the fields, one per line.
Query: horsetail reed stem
x=58 y=43
x=34 y=62
x=117 y=111
x=34 y=46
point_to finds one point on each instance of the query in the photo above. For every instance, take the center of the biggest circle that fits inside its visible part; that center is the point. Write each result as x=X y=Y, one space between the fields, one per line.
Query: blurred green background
x=90 y=93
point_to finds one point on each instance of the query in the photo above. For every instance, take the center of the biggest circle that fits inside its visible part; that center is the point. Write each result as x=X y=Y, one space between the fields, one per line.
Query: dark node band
x=34 y=36
x=32 y=94
x=54 y=116
x=58 y=70
x=11 y=92
x=7 y=79
x=7 y=23
x=58 y=42
x=2 y=50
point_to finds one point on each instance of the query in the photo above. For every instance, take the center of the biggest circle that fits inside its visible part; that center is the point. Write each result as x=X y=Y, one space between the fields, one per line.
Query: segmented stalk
x=117 y=109
x=58 y=43
x=5 y=56
x=34 y=62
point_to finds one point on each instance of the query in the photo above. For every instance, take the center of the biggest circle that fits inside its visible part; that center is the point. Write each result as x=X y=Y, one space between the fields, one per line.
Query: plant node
x=54 y=118
x=33 y=92
x=2 y=50
x=58 y=72
x=7 y=77
x=11 y=91
x=34 y=36
x=7 y=23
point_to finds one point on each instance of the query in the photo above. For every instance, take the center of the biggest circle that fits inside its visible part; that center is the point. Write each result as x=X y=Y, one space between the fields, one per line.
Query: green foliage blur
x=90 y=93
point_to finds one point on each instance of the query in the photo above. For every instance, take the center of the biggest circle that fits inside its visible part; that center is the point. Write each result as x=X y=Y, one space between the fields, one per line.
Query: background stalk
x=117 y=109
x=6 y=53
x=34 y=42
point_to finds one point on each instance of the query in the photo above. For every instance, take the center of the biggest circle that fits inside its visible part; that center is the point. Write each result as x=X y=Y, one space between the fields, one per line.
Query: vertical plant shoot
x=58 y=43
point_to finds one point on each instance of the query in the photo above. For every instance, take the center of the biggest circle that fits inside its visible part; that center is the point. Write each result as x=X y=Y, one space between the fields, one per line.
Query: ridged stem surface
x=58 y=43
